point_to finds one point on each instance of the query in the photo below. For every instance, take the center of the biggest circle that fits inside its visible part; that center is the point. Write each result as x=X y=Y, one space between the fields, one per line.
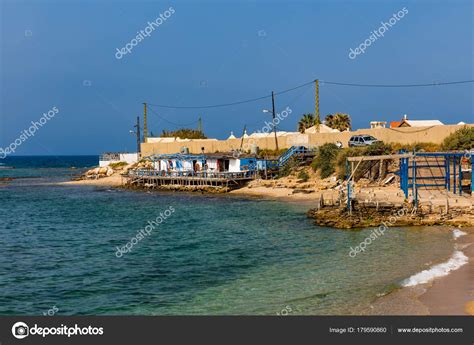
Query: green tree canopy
x=184 y=133
x=338 y=121
x=462 y=139
x=307 y=121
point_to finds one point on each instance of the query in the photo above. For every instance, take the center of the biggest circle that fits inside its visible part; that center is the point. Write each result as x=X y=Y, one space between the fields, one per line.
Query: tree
x=184 y=133
x=325 y=159
x=462 y=139
x=338 y=121
x=307 y=121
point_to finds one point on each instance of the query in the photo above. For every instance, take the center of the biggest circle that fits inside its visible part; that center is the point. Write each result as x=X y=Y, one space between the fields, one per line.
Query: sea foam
x=457 y=260
x=458 y=233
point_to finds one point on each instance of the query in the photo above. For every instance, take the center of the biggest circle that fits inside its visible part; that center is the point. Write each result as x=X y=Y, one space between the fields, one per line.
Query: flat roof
x=217 y=155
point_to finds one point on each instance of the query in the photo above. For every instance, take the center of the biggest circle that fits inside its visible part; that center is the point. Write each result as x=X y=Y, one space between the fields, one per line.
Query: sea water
x=215 y=254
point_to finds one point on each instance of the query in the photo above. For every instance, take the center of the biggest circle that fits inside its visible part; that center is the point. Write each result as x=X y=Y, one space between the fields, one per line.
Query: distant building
x=322 y=129
x=115 y=157
x=405 y=122
x=420 y=123
x=378 y=124
x=192 y=164
x=269 y=134
x=395 y=124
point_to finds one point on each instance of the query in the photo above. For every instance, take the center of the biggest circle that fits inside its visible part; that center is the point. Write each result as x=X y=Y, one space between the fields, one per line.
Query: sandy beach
x=115 y=180
x=452 y=294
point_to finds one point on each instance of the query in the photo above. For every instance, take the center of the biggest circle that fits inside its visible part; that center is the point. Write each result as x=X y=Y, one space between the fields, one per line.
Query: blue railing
x=285 y=157
x=192 y=174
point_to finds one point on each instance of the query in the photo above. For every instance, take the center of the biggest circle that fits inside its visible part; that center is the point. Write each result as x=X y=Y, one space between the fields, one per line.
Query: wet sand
x=110 y=181
x=449 y=295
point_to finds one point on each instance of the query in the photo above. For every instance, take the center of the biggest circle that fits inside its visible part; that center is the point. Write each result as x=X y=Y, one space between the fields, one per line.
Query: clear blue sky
x=62 y=53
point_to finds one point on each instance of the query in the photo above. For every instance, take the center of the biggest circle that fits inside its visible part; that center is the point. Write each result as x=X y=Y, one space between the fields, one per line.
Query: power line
x=398 y=85
x=170 y=122
x=233 y=103
x=323 y=82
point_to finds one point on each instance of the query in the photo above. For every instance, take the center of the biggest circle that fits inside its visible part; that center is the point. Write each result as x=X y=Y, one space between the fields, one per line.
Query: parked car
x=362 y=140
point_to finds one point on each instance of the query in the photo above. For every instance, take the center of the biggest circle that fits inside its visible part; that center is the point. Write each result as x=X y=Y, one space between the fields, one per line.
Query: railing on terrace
x=193 y=174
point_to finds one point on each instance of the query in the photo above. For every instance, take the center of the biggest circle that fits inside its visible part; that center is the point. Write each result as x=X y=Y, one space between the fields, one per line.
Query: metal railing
x=193 y=174
x=292 y=151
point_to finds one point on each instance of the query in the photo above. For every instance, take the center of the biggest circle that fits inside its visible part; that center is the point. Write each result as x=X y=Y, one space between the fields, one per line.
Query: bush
x=342 y=157
x=303 y=176
x=184 y=133
x=325 y=160
x=376 y=149
x=117 y=165
x=462 y=139
x=288 y=168
x=423 y=147
x=379 y=148
x=271 y=153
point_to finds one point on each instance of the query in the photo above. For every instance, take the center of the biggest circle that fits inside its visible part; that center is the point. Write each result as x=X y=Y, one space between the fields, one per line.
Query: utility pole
x=137 y=131
x=145 y=127
x=242 y=139
x=200 y=124
x=317 y=117
x=274 y=125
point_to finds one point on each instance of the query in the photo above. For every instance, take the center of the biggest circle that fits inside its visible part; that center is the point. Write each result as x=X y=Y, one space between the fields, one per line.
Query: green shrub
x=288 y=168
x=376 y=149
x=325 y=160
x=462 y=139
x=118 y=165
x=184 y=133
x=271 y=153
x=303 y=176
x=424 y=147
x=342 y=157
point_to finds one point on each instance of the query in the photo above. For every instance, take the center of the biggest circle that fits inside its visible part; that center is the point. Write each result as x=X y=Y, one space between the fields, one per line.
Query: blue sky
x=62 y=53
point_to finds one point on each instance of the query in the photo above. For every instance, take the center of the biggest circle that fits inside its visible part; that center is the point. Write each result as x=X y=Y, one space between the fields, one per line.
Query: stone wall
x=406 y=135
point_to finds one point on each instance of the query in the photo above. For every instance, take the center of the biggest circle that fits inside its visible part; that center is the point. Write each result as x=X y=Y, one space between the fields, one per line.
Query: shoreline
x=451 y=294
x=109 y=181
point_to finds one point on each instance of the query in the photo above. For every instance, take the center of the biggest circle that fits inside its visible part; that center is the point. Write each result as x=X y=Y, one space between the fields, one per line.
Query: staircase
x=300 y=152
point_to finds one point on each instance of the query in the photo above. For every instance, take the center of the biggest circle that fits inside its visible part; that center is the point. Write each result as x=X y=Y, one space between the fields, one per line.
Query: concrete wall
x=129 y=158
x=407 y=135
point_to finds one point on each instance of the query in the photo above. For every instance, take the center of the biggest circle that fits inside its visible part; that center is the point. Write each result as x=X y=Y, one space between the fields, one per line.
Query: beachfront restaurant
x=205 y=165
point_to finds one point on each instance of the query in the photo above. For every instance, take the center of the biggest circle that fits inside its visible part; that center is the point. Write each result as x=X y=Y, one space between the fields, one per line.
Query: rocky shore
x=365 y=216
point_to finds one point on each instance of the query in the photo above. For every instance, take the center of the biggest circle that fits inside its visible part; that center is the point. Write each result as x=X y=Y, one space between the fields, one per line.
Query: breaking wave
x=457 y=260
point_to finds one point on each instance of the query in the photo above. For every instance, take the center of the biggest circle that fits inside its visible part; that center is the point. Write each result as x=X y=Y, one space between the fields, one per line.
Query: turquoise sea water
x=213 y=255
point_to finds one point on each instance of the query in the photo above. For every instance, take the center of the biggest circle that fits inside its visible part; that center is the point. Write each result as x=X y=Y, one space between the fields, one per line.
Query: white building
x=114 y=157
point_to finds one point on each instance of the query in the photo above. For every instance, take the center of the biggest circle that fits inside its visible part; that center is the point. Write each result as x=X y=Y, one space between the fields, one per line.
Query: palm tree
x=329 y=120
x=338 y=121
x=307 y=120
